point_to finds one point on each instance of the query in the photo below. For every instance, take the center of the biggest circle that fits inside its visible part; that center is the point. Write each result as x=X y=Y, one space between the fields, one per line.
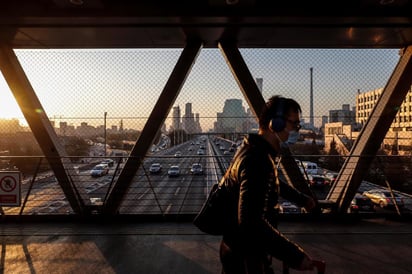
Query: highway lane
x=150 y=193
x=161 y=194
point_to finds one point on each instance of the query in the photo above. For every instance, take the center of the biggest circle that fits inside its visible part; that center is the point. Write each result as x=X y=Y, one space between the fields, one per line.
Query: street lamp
x=105 y=131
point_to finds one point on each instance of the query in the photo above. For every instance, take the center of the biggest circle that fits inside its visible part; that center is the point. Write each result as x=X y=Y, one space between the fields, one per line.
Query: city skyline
x=234 y=117
x=91 y=82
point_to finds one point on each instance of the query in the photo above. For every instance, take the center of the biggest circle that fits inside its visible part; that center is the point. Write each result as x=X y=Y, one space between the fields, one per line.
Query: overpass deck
x=376 y=245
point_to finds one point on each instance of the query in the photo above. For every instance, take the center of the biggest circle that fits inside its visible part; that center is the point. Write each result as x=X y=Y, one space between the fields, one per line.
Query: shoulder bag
x=214 y=216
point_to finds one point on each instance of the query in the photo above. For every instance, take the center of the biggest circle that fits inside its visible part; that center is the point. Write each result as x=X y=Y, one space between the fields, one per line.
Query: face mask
x=283 y=145
x=293 y=137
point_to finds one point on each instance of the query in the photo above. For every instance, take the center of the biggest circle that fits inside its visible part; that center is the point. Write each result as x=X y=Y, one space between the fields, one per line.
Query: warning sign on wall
x=10 y=188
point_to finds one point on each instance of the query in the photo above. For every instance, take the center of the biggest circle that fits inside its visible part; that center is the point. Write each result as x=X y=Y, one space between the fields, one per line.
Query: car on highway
x=99 y=170
x=287 y=207
x=317 y=180
x=109 y=162
x=155 y=168
x=226 y=152
x=331 y=176
x=383 y=198
x=309 y=168
x=196 y=169
x=173 y=171
x=361 y=203
x=200 y=151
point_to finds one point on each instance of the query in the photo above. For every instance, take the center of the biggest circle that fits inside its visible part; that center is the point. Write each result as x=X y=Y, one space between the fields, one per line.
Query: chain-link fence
x=98 y=102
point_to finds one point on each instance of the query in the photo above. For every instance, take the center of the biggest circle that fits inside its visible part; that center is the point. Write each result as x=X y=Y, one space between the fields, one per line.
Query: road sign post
x=10 y=188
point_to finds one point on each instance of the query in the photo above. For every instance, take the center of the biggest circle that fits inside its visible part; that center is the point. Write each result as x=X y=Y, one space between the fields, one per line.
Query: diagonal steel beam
x=242 y=76
x=41 y=127
x=256 y=101
x=373 y=133
x=152 y=125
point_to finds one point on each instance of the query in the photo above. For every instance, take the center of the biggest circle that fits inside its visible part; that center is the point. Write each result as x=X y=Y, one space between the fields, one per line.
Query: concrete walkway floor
x=364 y=246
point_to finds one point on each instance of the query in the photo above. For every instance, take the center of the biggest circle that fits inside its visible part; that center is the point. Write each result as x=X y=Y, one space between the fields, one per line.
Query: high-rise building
x=344 y=115
x=188 y=109
x=259 y=83
x=176 y=124
x=365 y=102
x=197 y=123
x=399 y=133
x=188 y=122
x=233 y=117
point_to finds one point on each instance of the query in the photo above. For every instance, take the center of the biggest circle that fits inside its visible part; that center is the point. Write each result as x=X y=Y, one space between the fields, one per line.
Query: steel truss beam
x=373 y=132
x=153 y=124
x=42 y=129
x=254 y=97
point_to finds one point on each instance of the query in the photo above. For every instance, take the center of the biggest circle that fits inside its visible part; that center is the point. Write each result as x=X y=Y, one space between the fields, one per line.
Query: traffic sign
x=10 y=186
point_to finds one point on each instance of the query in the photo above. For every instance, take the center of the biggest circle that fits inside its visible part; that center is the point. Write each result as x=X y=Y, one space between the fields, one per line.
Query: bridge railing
x=160 y=193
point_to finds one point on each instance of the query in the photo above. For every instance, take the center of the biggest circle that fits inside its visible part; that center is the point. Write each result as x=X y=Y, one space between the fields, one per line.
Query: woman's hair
x=277 y=107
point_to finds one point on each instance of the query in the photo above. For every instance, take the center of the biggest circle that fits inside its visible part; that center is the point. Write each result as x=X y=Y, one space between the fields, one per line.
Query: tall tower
x=233 y=116
x=121 y=125
x=176 y=118
x=188 y=123
x=188 y=110
x=259 y=83
x=311 y=116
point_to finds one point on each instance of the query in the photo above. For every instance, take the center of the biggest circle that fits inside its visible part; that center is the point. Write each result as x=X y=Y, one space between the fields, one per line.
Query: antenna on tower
x=311 y=115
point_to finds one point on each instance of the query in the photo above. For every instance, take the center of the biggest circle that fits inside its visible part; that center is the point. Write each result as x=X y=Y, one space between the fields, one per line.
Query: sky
x=81 y=85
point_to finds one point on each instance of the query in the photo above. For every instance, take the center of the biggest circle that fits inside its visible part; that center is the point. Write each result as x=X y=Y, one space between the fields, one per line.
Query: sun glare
x=8 y=106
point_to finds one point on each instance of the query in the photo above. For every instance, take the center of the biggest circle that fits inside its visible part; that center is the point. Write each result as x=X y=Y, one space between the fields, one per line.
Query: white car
x=109 y=162
x=155 y=168
x=99 y=170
